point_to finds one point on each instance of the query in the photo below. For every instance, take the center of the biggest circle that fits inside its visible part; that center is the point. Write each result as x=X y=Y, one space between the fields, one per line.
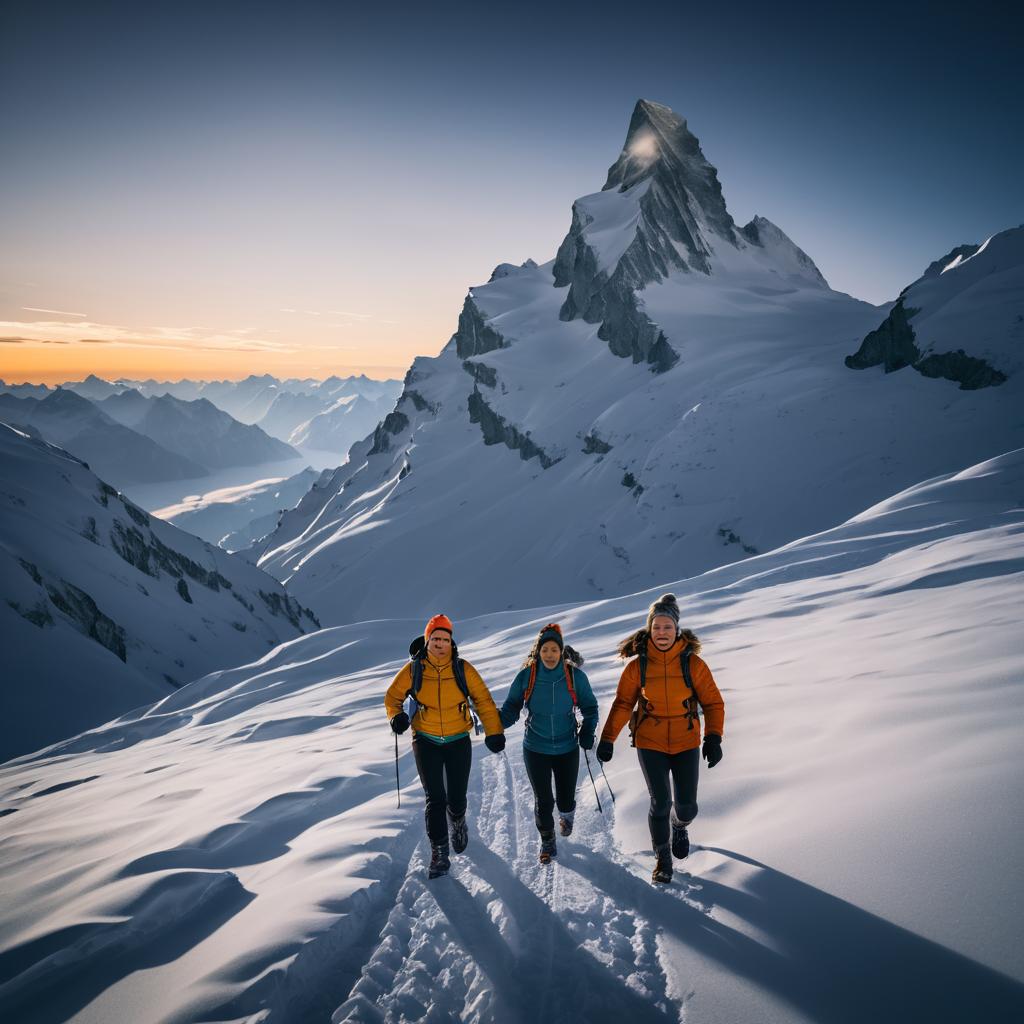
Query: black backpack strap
x=415 y=677
x=460 y=676
x=691 y=703
x=640 y=712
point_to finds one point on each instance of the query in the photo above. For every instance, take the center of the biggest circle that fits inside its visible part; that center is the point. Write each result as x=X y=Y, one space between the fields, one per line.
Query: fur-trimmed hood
x=634 y=643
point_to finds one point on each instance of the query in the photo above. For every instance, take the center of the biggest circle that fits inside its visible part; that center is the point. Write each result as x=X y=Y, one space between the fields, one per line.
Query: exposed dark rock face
x=970 y=373
x=474 y=337
x=31 y=570
x=661 y=151
x=660 y=146
x=496 y=430
x=39 y=614
x=150 y=555
x=729 y=537
x=81 y=609
x=418 y=401
x=593 y=445
x=894 y=346
x=631 y=482
x=610 y=301
x=394 y=423
x=482 y=374
x=183 y=593
x=891 y=344
x=288 y=607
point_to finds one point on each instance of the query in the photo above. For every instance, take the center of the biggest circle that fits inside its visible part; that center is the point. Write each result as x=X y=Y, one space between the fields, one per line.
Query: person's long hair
x=569 y=654
x=635 y=642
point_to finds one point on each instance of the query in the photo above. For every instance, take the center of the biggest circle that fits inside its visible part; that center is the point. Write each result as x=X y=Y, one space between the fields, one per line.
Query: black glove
x=712 y=749
x=587 y=740
x=400 y=723
x=605 y=750
x=495 y=742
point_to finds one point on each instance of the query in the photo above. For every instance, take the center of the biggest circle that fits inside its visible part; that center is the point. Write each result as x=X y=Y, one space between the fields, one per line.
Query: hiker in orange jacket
x=441 y=724
x=658 y=694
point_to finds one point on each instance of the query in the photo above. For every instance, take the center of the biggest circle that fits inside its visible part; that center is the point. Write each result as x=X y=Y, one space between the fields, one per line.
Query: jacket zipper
x=440 y=716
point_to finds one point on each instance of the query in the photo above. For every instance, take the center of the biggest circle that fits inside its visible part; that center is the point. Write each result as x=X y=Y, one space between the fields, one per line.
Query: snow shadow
x=264 y=832
x=833 y=961
x=169 y=918
x=577 y=985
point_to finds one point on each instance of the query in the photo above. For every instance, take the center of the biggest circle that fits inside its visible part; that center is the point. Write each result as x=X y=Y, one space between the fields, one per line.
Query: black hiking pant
x=565 y=769
x=671 y=779
x=444 y=772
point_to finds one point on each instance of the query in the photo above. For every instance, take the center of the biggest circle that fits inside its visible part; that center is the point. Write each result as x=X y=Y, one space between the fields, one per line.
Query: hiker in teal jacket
x=552 y=687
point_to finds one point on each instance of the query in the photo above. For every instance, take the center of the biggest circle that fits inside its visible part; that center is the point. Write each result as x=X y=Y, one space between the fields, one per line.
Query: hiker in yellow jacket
x=441 y=725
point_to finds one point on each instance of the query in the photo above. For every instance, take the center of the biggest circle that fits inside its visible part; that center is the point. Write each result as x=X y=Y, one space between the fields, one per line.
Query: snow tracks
x=504 y=938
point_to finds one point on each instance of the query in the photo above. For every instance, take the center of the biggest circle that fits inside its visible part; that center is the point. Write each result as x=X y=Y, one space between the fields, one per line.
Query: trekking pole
x=398 y=784
x=592 y=782
x=605 y=777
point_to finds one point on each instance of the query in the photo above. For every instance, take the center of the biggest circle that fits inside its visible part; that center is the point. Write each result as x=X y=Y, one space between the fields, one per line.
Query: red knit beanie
x=438 y=622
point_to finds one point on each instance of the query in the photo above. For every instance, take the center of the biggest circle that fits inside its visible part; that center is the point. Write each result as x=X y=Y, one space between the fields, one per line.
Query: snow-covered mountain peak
x=660 y=146
x=661 y=214
x=538 y=437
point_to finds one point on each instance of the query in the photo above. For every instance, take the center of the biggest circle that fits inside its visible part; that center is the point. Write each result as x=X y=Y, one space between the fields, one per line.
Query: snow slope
x=235 y=852
x=668 y=394
x=104 y=608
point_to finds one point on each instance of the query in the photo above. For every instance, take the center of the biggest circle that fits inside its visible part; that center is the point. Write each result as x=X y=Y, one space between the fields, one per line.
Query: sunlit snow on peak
x=644 y=147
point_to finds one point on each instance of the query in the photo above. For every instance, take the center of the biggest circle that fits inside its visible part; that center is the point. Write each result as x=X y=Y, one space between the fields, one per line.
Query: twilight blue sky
x=215 y=189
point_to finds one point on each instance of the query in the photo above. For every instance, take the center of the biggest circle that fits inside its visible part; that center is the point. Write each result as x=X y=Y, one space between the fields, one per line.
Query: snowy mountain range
x=103 y=607
x=674 y=401
x=196 y=429
x=671 y=392
x=114 y=451
x=325 y=415
x=235 y=851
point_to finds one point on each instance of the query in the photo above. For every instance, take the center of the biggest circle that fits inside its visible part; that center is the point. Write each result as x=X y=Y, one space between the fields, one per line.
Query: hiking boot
x=439 y=861
x=565 y=823
x=663 y=867
x=680 y=840
x=548 y=849
x=458 y=830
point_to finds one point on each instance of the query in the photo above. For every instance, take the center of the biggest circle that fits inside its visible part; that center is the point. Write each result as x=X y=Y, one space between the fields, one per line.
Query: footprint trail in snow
x=505 y=938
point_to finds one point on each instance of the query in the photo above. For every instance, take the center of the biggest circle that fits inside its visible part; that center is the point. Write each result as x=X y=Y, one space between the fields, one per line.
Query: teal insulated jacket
x=550 y=723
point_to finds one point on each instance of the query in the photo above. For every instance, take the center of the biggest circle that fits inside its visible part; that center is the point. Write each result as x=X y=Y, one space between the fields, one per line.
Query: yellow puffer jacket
x=443 y=710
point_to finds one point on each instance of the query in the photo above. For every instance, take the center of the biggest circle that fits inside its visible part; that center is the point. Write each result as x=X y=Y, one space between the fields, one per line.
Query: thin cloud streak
x=59 y=312
x=182 y=339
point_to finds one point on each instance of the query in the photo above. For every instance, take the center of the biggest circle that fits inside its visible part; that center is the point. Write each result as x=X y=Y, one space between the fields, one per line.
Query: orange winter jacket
x=666 y=726
x=443 y=710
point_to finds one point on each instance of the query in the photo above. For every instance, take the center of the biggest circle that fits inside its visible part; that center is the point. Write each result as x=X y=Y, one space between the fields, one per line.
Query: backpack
x=418 y=654
x=642 y=710
x=528 y=693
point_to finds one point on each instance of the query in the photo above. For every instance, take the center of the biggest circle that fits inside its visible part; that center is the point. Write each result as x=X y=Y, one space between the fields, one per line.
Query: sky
x=218 y=189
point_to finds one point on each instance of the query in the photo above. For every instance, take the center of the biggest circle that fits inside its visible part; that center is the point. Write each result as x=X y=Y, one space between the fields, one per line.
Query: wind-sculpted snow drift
x=669 y=393
x=235 y=852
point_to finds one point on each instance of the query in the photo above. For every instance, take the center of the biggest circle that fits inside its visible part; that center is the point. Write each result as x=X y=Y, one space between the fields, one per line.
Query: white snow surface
x=235 y=852
x=760 y=434
x=975 y=304
x=71 y=601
